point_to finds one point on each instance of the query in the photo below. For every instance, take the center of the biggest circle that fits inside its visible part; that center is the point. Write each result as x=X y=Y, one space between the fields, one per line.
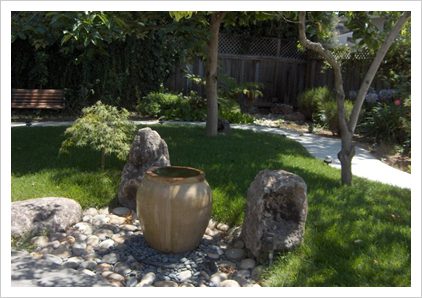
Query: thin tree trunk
x=379 y=57
x=102 y=159
x=347 y=128
x=211 y=74
x=347 y=148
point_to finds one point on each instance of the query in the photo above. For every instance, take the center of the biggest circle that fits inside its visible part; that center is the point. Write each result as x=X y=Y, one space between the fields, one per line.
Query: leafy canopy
x=103 y=128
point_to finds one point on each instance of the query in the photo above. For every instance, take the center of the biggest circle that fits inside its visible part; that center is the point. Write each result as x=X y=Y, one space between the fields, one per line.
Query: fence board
x=284 y=75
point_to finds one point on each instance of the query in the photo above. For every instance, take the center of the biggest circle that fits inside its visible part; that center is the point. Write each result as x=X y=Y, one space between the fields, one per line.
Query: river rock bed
x=111 y=246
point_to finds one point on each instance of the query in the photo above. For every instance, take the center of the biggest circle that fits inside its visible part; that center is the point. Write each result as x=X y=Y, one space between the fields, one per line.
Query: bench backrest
x=37 y=99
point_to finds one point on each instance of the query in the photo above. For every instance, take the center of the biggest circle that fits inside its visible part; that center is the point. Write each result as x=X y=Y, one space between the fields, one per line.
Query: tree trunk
x=345 y=156
x=102 y=159
x=211 y=74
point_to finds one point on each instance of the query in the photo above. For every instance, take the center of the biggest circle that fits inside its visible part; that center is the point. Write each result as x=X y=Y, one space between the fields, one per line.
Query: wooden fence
x=280 y=67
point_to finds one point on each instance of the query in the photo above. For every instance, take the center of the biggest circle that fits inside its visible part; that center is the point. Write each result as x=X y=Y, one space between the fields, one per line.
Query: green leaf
x=104 y=19
x=66 y=38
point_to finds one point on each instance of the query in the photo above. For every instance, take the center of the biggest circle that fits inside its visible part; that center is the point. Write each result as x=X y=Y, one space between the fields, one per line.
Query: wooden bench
x=38 y=99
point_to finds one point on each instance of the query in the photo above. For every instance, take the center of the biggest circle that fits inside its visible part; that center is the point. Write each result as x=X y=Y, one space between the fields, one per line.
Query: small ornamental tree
x=103 y=128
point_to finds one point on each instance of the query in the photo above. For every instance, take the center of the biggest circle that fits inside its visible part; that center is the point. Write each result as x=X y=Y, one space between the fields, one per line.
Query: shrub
x=156 y=103
x=173 y=106
x=388 y=123
x=229 y=109
x=330 y=115
x=311 y=101
x=103 y=128
x=192 y=107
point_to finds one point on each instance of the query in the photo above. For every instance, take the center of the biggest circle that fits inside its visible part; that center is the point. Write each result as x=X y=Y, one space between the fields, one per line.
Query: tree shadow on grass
x=93 y=189
x=36 y=149
x=355 y=235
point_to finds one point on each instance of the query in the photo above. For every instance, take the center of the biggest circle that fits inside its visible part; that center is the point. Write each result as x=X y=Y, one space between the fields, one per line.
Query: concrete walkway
x=364 y=164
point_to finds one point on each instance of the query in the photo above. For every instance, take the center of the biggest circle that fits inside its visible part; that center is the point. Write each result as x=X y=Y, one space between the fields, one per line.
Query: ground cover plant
x=356 y=235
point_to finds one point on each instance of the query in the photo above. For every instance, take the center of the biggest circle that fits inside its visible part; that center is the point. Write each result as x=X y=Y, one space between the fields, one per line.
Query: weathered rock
x=104 y=267
x=40 y=241
x=79 y=249
x=122 y=268
x=70 y=239
x=84 y=228
x=121 y=211
x=49 y=214
x=52 y=259
x=103 y=234
x=57 y=236
x=238 y=244
x=184 y=275
x=110 y=258
x=62 y=251
x=90 y=212
x=235 y=253
x=247 y=264
x=165 y=283
x=81 y=237
x=295 y=116
x=147 y=280
x=115 y=277
x=275 y=213
x=229 y=283
x=90 y=265
x=117 y=220
x=131 y=282
x=223 y=126
x=212 y=223
x=119 y=239
x=53 y=244
x=88 y=272
x=257 y=272
x=129 y=227
x=223 y=227
x=282 y=109
x=93 y=240
x=73 y=262
x=148 y=150
x=100 y=219
x=218 y=277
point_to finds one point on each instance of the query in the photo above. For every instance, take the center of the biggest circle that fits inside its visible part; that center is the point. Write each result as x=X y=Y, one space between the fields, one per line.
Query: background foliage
x=94 y=55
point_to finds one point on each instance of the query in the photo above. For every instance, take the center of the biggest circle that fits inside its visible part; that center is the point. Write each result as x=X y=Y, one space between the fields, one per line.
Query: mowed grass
x=355 y=236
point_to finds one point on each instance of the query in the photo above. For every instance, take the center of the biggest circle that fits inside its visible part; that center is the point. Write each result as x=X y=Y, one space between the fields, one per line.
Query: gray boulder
x=275 y=213
x=50 y=214
x=223 y=126
x=148 y=150
x=282 y=109
x=295 y=116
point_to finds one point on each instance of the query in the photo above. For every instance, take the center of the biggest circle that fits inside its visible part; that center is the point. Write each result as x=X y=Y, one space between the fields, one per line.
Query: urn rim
x=176 y=174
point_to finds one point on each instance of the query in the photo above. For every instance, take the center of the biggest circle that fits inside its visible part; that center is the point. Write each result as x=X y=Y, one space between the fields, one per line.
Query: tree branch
x=329 y=57
x=379 y=57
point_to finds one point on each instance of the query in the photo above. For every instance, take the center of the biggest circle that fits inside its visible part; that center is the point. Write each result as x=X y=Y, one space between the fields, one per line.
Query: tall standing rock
x=148 y=150
x=275 y=213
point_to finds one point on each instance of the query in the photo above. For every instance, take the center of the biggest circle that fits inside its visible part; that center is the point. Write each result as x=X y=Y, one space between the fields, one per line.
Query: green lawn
x=355 y=236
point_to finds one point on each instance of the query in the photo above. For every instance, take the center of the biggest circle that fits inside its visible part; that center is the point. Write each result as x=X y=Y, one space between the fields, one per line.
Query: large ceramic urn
x=174 y=207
